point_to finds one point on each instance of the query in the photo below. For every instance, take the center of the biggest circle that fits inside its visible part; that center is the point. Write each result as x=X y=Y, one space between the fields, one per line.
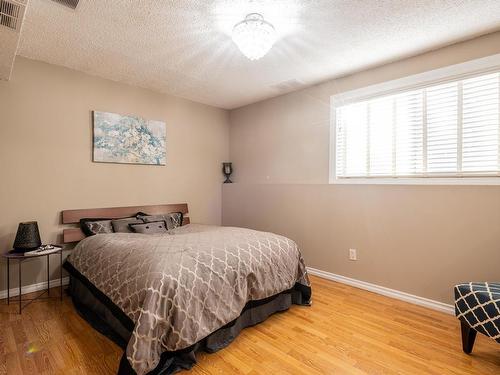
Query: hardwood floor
x=346 y=331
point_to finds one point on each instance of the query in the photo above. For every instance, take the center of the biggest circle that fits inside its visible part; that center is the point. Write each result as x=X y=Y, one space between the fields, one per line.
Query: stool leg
x=60 y=275
x=8 y=281
x=20 y=292
x=48 y=275
x=468 y=337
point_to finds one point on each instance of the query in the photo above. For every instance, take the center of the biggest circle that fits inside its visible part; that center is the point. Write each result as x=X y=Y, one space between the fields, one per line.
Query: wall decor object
x=128 y=139
x=227 y=169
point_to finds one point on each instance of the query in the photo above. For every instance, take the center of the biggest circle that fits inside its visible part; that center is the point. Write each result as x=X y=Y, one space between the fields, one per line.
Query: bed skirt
x=107 y=318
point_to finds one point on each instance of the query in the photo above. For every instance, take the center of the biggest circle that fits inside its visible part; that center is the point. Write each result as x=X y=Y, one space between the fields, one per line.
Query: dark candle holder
x=227 y=169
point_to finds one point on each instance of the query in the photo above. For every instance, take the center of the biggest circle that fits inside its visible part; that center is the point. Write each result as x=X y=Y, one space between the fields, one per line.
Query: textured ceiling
x=184 y=48
x=12 y=16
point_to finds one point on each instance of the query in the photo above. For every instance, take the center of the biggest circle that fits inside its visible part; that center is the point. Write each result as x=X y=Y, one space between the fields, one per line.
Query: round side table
x=20 y=258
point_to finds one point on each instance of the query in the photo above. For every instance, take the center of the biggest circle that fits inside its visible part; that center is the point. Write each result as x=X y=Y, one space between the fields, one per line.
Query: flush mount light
x=254 y=36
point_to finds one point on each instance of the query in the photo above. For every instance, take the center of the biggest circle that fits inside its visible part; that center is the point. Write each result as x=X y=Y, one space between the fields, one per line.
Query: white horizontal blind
x=409 y=133
x=481 y=133
x=442 y=128
x=449 y=129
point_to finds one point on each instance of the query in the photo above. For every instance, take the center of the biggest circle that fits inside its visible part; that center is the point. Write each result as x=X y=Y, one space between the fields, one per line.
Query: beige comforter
x=178 y=288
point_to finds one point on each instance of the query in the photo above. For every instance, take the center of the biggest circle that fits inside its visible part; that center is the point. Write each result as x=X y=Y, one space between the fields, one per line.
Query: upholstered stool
x=477 y=305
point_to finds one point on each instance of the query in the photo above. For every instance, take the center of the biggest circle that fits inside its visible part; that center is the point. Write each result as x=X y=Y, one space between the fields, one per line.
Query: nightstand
x=21 y=258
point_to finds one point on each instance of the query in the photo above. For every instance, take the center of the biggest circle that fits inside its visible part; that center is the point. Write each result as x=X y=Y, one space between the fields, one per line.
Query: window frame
x=465 y=70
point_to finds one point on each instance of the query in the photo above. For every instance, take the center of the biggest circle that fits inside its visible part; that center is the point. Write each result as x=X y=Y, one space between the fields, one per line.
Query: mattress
x=171 y=292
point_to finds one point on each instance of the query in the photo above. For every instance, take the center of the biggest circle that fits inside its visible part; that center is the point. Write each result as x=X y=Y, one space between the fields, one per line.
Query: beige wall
x=418 y=239
x=46 y=152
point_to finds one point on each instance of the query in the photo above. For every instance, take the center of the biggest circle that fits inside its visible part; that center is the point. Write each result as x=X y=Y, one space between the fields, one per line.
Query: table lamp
x=27 y=237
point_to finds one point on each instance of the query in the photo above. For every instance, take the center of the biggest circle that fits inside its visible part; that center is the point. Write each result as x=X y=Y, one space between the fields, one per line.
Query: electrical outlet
x=353 y=254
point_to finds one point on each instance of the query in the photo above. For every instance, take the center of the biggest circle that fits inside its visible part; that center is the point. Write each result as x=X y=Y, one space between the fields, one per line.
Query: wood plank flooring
x=345 y=331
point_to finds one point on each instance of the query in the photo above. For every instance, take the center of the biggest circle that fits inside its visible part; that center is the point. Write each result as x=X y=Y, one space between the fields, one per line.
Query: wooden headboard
x=73 y=216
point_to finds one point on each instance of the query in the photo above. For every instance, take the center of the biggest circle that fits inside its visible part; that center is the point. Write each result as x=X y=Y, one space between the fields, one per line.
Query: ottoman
x=477 y=306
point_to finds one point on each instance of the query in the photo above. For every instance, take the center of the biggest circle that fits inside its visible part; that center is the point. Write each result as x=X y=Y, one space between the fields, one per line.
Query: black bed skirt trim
x=113 y=308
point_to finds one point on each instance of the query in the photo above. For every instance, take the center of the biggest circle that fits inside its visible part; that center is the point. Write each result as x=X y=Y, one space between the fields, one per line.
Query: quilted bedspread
x=178 y=288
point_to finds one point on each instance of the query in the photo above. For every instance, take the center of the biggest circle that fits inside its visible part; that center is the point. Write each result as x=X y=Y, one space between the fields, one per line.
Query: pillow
x=177 y=218
x=148 y=228
x=96 y=226
x=173 y=219
x=122 y=225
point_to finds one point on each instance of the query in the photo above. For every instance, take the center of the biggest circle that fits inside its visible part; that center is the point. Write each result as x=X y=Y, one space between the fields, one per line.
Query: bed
x=163 y=297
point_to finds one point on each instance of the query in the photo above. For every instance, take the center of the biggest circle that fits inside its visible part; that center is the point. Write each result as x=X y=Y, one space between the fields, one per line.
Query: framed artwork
x=128 y=139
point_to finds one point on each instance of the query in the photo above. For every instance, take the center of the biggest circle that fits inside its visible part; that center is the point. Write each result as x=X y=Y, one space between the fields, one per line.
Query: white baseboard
x=33 y=287
x=421 y=301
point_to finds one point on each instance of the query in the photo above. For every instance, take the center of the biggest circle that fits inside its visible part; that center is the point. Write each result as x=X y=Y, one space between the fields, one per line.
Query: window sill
x=418 y=181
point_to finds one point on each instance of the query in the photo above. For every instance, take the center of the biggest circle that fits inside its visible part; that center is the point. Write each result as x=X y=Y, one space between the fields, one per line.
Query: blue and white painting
x=128 y=139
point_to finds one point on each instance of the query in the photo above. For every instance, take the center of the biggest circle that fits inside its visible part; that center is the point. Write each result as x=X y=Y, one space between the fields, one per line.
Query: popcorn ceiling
x=184 y=48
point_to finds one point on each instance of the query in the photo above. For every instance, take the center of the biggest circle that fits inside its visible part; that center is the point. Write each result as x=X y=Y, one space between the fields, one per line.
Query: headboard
x=73 y=216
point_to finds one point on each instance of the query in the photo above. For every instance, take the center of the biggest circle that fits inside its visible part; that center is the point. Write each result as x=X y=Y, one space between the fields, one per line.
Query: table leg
x=8 y=281
x=48 y=275
x=60 y=274
x=20 y=303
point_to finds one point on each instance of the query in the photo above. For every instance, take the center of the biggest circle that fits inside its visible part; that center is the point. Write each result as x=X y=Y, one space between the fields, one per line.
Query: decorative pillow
x=122 y=225
x=173 y=219
x=176 y=218
x=96 y=226
x=148 y=228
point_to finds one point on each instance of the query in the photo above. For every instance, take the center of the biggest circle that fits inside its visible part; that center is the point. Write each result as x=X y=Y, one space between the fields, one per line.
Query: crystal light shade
x=254 y=36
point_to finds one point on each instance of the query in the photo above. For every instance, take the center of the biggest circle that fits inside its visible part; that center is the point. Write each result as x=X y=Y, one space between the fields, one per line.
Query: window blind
x=450 y=129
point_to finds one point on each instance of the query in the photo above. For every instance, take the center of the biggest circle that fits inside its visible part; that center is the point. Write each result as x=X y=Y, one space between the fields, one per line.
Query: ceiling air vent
x=69 y=3
x=290 y=85
x=10 y=14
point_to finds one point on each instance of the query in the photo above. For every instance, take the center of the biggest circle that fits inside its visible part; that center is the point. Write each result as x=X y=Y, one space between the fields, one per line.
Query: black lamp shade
x=27 y=237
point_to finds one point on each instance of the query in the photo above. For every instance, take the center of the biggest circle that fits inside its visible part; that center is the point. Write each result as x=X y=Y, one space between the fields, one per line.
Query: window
x=449 y=128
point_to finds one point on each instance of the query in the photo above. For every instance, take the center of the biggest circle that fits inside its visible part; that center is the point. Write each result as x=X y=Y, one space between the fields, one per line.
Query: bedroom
x=364 y=142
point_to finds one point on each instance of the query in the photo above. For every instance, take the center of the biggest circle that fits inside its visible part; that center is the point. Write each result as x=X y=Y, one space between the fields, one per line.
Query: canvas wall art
x=128 y=139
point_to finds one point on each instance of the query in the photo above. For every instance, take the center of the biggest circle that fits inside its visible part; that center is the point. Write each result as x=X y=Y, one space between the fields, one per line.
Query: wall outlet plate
x=353 y=254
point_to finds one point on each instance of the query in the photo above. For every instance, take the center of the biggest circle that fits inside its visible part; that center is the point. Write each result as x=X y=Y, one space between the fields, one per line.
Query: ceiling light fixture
x=254 y=36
